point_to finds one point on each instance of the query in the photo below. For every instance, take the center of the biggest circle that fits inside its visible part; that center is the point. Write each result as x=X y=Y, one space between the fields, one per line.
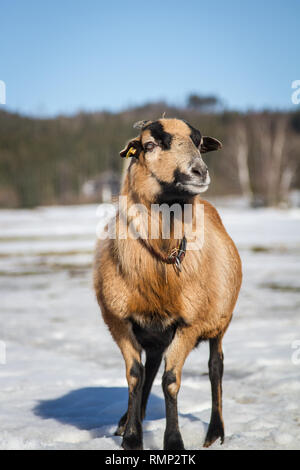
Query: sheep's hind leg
x=215 y=364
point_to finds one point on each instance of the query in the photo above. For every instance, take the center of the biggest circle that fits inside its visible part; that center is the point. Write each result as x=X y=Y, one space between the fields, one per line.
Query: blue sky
x=61 y=56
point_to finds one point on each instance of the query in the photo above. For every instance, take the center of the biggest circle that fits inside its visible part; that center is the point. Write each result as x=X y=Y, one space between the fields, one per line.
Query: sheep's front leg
x=172 y=437
x=153 y=361
x=131 y=351
x=133 y=434
x=183 y=342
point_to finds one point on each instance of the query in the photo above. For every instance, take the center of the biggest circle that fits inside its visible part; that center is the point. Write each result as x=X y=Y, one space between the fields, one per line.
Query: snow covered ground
x=63 y=384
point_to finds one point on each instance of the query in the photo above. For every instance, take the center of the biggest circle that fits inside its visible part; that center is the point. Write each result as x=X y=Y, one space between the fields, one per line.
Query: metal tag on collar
x=178 y=263
x=182 y=247
x=181 y=253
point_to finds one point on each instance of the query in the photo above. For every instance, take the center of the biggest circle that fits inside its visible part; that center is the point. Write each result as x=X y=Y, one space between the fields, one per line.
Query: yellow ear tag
x=131 y=151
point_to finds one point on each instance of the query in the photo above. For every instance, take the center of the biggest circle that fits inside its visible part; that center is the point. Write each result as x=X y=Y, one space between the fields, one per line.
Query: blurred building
x=103 y=187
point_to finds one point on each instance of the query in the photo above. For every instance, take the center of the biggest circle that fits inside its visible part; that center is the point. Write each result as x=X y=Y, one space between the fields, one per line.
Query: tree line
x=47 y=161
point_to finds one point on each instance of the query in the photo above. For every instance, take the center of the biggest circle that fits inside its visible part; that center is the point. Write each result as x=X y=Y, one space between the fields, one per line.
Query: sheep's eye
x=149 y=146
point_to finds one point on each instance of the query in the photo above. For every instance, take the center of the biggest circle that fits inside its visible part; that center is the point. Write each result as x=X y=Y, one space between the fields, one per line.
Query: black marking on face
x=170 y=192
x=195 y=134
x=159 y=134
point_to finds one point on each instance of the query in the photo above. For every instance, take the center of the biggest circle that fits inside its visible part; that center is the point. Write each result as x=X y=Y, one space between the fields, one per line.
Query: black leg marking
x=133 y=434
x=122 y=425
x=215 y=364
x=172 y=437
x=153 y=361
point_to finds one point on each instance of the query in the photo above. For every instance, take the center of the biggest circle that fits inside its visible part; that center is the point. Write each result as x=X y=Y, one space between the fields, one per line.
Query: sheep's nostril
x=199 y=170
x=196 y=171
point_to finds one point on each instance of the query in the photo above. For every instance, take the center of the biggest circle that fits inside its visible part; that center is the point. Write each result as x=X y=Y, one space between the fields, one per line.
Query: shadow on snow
x=93 y=407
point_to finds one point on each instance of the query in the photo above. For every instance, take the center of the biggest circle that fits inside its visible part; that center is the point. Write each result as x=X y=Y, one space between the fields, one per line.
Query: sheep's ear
x=132 y=149
x=209 y=144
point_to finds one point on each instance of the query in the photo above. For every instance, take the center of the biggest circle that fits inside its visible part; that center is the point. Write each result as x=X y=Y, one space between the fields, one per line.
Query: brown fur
x=133 y=284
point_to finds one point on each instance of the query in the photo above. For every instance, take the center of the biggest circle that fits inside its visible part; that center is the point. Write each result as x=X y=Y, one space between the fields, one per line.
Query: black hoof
x=121 y=426
x=120 y=430
x=132 y=442
x=215 y=431
x=173 y=442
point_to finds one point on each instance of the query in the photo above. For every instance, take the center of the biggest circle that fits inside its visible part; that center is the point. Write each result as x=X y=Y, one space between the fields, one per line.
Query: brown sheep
x=158 y=295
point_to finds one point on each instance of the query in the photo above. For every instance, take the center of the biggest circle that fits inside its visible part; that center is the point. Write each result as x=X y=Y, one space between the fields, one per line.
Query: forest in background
x=48 y=161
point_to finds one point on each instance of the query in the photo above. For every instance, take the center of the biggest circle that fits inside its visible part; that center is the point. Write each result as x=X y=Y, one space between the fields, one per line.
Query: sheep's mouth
x=193 y=185
x=193 y=188
x=183 y=188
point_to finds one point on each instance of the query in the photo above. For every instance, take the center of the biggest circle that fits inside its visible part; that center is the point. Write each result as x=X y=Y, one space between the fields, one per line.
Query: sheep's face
x=170 y=152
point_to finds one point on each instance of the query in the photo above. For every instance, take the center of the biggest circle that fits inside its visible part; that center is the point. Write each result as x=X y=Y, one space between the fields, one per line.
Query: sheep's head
x=168 y=154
